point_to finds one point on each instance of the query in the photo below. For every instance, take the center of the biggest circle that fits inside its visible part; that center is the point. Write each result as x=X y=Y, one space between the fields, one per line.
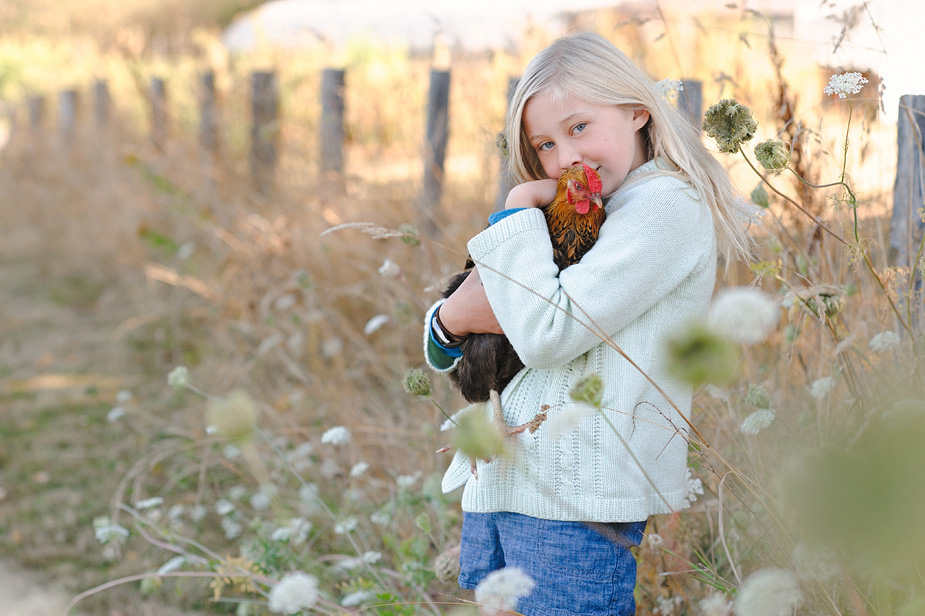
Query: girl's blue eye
x=579 y=127
x=544 y=146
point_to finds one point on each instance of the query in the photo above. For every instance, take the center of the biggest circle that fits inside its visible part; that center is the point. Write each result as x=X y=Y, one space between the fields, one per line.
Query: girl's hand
x=531 y=194
x=467 y=310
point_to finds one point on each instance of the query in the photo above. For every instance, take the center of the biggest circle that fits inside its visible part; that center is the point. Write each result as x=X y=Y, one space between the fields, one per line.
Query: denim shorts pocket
x=578 y=551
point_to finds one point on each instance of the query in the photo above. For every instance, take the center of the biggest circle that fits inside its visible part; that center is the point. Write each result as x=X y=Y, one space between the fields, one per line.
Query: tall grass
x=252 y=298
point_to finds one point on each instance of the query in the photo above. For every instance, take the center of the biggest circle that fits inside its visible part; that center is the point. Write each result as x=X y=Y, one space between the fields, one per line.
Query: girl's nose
x=568 y=158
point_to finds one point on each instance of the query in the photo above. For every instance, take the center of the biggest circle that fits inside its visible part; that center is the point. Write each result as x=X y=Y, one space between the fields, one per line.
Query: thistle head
x=773 y=154
x=730 y=124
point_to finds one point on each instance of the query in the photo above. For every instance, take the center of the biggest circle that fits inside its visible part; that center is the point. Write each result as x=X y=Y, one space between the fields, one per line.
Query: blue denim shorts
x=579 y=567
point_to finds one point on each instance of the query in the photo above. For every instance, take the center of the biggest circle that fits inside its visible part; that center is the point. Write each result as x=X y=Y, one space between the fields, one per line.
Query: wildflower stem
x=443 y=412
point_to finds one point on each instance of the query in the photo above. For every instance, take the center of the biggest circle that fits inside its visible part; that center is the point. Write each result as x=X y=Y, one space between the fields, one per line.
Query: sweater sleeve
x=657 y=235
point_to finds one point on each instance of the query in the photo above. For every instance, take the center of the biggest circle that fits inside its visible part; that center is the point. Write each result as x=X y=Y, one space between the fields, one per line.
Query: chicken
x=489 y=362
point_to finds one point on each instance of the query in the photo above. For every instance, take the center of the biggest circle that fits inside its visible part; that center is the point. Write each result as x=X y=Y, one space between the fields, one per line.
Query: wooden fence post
x=332 y=120
x=67 y=113
x=208 y=126
x=909 y=188
x=690 y=101
x=101 y=103
x=438 y=116
x=264 y=130
x=506 y=177
x=158 y=112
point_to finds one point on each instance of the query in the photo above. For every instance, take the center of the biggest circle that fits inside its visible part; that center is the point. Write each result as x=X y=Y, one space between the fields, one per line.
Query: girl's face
x=567 y=130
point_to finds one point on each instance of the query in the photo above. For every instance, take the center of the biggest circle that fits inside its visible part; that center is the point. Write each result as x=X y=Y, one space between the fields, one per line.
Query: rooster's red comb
x=594 y=180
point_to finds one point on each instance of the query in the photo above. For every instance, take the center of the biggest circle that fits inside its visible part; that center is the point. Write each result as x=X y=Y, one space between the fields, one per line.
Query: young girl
x=565 y=506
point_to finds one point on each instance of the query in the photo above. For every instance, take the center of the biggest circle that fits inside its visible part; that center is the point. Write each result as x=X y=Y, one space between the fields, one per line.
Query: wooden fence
x=909 y=188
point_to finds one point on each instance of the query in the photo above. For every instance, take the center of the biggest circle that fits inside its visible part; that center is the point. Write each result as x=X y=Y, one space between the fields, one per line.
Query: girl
x=566 y=505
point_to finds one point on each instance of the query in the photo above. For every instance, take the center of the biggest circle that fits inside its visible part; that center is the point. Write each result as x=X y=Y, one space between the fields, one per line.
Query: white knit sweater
x=652 y=269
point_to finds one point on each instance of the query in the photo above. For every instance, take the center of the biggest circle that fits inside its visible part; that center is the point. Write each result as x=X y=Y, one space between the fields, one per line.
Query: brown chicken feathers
x=574 y=219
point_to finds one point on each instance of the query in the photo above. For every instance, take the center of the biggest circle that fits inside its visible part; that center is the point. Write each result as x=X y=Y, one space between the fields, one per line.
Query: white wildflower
x=172 y=565
x=375 y=323
x=744 y=314
x=569 y=417
x=357 y=598
x=654 y=539
x=223 y=507
x=358 y=469
x=178 y=377
x=821 y=387
x=347 y=525
x=380 y=518
x=115 y=414
x=694 y=488
x=716 y=605
x=884 y=341
x=198 y=513
x=237 y=492
x=149 y=503
x=844 y=84
x=211 y=430
x=757 y=421
x=124 y=396
x=295 y=592
x=107 y=532
x=231 y=452
x=500 y=590
x=769 y=592
x=338 y=435
x=295 y=531
x=715 y=392
x=389 y=269
x=406 y=481
x=175 y=512
x=260 y=501
x=371 y=558
x=669 y=87
x=666 y=605
x=232 y=529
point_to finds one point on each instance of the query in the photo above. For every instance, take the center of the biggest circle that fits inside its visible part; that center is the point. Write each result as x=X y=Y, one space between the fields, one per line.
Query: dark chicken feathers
x=574 y=219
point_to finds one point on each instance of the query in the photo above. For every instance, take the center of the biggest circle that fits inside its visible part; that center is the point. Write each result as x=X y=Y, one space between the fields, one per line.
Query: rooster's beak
x=596 y=200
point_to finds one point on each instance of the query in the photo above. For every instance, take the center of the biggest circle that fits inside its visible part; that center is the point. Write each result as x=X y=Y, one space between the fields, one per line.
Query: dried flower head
x=730 y=124
x=295 y=592
x=446 y=566
x=502 y=145
x=416 y=382
x=844 y=84
x=699 y=354
x=589 y=389
x=744 y=314
x=234 y=416
x=178 y=378
x=502 y=589
x=669 y=87
x=477 y=437
x=773 y=154
x=769 y=592
x=757 y=421
x=758 y=397
x=760 y=197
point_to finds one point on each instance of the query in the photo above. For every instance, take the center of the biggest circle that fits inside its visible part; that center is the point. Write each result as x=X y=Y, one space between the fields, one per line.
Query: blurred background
x=167 y=170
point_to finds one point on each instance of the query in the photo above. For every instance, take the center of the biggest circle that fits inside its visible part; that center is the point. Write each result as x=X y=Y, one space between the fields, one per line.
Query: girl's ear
x=640 y=118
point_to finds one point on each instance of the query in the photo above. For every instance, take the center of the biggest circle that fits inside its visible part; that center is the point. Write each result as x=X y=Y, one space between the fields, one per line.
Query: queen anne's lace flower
x=730 y=124
x=757 y=421
x=389 y=269
x=346 y=525
x=669 y=87
x=107 y=532
x=769 y=592
x=178 y=377
x=358 y=469
x=744 y=314
x=295 y=592
x=773 y=154
x=502 y=589
x=338 y=435
x=821 y=387
x=694 y=488
x=884 y=341
x=844 y=84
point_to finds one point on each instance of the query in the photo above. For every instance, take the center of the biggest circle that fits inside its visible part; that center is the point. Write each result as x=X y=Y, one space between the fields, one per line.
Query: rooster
x=489 y=362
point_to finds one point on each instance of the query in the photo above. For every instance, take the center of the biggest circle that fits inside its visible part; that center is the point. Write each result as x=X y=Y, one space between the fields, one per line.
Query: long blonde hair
x=590 y=67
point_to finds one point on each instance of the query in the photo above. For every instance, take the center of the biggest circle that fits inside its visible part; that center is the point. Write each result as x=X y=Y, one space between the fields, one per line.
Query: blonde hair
x=590 y=67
